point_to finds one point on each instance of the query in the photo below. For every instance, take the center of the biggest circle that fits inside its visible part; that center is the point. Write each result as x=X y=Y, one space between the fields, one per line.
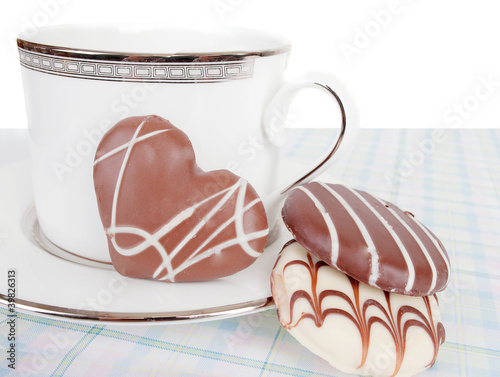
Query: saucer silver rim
x=80 y=315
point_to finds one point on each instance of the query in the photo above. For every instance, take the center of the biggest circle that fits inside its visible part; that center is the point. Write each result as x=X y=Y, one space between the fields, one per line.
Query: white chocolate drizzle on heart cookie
x=164 y=219
x=310 y=294
x=367 y=238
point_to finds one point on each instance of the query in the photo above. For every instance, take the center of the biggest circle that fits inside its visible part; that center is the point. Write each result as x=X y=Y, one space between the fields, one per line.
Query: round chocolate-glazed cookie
x=355 y=327
x=164 y=217
x=367 y=238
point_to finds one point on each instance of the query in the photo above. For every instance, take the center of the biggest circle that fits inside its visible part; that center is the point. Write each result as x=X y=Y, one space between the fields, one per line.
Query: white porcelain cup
x=224 y=88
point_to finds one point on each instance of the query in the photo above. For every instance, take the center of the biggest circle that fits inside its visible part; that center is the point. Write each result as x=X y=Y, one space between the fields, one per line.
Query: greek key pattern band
x=161 y=72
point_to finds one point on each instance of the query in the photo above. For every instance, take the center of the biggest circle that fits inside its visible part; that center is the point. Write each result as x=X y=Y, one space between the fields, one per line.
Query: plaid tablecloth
x=450 y=180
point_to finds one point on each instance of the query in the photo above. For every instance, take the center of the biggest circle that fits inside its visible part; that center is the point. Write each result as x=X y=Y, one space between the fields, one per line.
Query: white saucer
x=54 y=286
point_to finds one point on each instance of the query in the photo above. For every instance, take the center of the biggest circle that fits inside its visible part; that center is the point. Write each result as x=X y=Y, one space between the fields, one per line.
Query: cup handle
x=280 y=103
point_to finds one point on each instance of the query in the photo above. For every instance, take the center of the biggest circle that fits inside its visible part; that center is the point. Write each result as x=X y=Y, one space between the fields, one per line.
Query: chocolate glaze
x=369 y=239
x=164 y=217
x=392 y=322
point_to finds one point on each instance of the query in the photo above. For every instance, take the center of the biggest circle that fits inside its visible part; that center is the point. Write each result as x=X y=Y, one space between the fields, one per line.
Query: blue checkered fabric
x=450 y=180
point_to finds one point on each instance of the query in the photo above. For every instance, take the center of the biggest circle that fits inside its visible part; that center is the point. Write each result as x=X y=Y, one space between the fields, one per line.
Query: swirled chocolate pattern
x=367 y=238
x=164 y=217
x=357 y=328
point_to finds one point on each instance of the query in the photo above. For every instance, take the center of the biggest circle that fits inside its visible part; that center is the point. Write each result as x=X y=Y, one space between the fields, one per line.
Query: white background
x=408 y=63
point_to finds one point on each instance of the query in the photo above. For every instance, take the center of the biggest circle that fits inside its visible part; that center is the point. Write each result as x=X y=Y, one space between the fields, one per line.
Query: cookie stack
x=357 y=285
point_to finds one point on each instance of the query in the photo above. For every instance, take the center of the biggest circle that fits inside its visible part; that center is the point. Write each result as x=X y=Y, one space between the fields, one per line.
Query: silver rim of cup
x=141 y=67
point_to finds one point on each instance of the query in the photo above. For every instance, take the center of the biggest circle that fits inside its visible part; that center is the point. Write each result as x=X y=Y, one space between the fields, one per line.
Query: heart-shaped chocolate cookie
x=165 y=218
